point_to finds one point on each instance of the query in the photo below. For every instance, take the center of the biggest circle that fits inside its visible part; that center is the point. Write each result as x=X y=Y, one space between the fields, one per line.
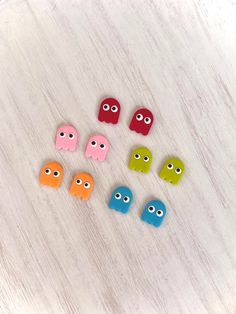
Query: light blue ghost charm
x=154 y=213
x=121 y=199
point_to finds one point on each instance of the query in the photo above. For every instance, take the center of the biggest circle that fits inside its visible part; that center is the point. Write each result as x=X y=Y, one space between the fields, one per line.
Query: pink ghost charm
x=97 y=147
x=66 y=138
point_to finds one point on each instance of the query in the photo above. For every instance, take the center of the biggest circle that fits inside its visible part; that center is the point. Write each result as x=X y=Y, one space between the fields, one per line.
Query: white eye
x=114 y=108
x=71 y=136
x=48 y=171
x=159 y=213
x=62 y=134
x=79 y=182
x=56 y=174
x=147 y=120
x=126 y=199
x=151 y=209
x=146 y=158
x=170 y=166
x=137 y=156
x=139 y=117
x=94 y=143
x=118 y=196
x=87 y=185
x=106 y=107
x=102 y=146
x=178 y=170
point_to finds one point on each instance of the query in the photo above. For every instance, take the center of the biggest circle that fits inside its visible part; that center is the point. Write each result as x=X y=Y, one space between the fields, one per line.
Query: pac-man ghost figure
x=141 y=160
x=142 y=121
x=82 y=186
x=172 y=170
x=97 y=147
x=51 y=174
x=154 y=213
x=121 y=199
x=109 y=111
x=66 y=138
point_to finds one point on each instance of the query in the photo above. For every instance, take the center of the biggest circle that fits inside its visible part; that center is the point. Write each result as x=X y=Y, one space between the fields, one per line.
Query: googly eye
x=139 y=117
x=62 y=134
x=94 y=143
x=151 y=209
x=178 y=170
x=86 y=185
x=137 y=156
x=118 y=196
x=106 y=107
x=159 y=213
x=126 y=199
x=48 y=171
x=102 y=146
x=147 y=120
x=170 y=166
x=114 y=108
x=56 y=174
x=79 y=181
x=146 y=158
x=71 y=136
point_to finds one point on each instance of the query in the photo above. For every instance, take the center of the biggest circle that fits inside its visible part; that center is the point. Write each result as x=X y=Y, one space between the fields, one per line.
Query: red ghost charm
x=109 y=111
x=142 y=121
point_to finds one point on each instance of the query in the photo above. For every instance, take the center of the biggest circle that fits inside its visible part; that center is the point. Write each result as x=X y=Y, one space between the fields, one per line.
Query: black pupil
x=151 y=208
x=55 y=173
x=93 y=143
x=102 y=145
x=145 y=158
x=47 y=171
x=105 y=107
x=62 y=134
x=169 y=166
x=178 y=170
x=137 y=156
x=139 y=116
x=117 y=195
x=86 y=184
x=126 y=198
x=78 y=181
x=71 y=135
x=159 y=212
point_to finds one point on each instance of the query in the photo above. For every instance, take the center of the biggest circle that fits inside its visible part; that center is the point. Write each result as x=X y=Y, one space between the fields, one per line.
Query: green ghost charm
x=141 y=160
x=172 y=170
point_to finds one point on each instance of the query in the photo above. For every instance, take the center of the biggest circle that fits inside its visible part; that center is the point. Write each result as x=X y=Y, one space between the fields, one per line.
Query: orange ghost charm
x=82 y=186
x=51 y=174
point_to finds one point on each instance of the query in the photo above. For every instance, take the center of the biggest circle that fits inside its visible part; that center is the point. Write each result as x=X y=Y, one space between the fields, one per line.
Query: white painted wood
x=58 y=59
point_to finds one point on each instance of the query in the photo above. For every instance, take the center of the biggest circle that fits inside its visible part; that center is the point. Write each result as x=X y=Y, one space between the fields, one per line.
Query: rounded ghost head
x=82 y=186
x=172 y=170
x=121 y=199
x=97 y=147
x=51 y=174
x=142 y=121
x=109 y=111
x=66 y=138
x=154 y=213
x=141 y=160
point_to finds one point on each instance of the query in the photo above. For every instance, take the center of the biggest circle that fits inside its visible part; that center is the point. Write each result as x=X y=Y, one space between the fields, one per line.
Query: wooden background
x=58 y=59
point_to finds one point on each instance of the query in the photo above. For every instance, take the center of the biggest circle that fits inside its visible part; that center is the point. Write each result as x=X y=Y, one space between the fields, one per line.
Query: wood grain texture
x=58 y=59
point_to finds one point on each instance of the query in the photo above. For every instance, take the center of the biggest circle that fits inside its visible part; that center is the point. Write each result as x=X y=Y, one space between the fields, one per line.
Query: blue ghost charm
x=121 y=199
x=154 y=213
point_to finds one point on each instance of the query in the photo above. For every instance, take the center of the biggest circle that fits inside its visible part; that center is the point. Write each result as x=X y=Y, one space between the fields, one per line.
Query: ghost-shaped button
x=154 y=213
x=66 y=138
x=142 y=121
x=97 y=147
x=51 y=174
x=82 y=186
x=172 y=170
x=121 y=199
x=141 y=160
x=109 y=111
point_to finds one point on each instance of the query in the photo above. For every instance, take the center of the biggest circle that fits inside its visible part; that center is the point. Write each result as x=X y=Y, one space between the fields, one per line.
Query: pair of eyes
x=126 y=199
x=94 y=144
x=71 y=135
x=56 y=173
x=152 y=209
x=86 y=184
x=177 y=170
x=145 y=158
x=147 y=120
x=107 y=107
